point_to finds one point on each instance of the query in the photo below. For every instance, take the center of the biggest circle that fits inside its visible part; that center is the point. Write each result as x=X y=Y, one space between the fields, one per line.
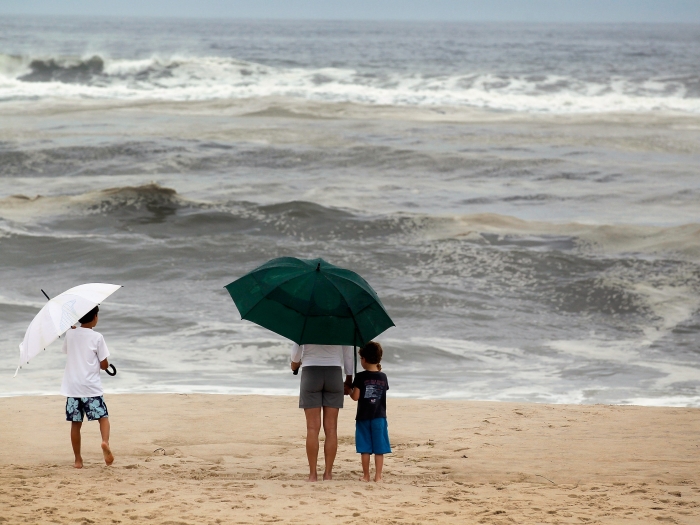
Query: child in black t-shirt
x=371 y=431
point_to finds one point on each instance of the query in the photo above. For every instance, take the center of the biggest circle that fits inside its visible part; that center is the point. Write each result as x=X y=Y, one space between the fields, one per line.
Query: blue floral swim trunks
x=93 y=407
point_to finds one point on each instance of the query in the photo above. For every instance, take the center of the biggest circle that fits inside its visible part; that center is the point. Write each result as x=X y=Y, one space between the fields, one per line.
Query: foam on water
x=183 y=78
x=524 y=199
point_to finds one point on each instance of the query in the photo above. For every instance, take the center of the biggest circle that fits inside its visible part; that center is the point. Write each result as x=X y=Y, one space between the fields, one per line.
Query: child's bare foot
x=78 y=463
x=377 y=479
x=107 y=453
x=327 y=476
x=365 y=478
x=312 y=478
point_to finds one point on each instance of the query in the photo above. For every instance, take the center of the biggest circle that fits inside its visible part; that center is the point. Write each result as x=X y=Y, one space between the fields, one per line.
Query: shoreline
x=408 y=397
x=184 y=458
x=289 y=107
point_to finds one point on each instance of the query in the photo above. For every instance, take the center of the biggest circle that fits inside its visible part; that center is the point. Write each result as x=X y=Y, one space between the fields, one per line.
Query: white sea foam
x=603 y=239
x=182 y=78
x=8 y=301
x=579 y=285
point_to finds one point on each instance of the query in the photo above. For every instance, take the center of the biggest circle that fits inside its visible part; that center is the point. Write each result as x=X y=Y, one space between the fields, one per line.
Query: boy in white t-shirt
x=87 y=355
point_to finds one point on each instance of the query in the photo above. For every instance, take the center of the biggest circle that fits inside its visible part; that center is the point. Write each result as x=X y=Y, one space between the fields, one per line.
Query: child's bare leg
x=75 y=441
x=378 y=464
x=365 y=467
x=104 y=431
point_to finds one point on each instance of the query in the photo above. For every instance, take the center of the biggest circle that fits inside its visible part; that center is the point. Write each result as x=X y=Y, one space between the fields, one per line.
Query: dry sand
x=207 y=459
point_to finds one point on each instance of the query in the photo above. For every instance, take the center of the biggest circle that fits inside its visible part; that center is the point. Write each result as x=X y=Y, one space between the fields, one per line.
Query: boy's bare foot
x=78 y=463
x=312 y=478
x=327 y=476
x=365 y=479
x=377 y=479
x=107 y=453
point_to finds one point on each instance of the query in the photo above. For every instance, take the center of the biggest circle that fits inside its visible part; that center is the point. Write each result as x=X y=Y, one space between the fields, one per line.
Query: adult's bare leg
x=75 y=441
x=313 y=428
x=104 y=431
x=330 y=446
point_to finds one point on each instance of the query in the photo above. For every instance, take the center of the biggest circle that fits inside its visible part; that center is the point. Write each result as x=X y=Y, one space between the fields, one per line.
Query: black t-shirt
x=372 y=401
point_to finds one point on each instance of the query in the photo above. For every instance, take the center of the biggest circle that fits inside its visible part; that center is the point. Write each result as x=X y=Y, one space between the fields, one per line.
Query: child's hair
x=90 y=316
x=372 y=352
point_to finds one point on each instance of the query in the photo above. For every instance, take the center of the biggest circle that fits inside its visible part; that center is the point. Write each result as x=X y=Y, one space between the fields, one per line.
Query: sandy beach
x=196 y=459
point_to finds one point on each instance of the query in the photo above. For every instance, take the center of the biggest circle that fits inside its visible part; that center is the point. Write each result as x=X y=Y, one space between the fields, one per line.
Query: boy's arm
x=102 y=353
x=354 y=389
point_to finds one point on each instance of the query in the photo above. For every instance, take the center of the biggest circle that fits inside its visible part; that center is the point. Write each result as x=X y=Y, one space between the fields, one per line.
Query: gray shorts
x=321 y=386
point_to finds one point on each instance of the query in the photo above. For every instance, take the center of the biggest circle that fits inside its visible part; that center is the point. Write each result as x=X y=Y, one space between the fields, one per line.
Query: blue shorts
x=93 y=407
x=372 y=436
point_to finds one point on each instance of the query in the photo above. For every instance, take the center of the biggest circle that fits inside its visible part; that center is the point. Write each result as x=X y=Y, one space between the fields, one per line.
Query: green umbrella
x=310 y=302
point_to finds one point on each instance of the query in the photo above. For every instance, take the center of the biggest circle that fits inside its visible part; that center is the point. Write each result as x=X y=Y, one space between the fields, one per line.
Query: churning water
x=524 y=199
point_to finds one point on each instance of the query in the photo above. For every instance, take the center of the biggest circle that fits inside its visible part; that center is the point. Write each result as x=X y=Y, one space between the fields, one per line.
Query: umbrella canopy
x=310 y=301
x=59 y=314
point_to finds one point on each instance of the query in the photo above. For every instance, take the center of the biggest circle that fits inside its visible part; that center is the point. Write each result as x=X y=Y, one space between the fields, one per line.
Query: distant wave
x=213 y=78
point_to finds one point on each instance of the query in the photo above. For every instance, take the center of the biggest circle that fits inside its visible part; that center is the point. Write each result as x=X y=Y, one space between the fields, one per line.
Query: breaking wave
x=182 y=78
x=155 y=203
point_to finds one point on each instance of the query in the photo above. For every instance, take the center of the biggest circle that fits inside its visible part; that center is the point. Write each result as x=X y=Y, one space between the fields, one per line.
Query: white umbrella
x=59 y=314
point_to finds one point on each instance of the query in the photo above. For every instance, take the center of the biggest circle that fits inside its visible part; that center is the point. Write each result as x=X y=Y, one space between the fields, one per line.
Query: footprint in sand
x=107 y=453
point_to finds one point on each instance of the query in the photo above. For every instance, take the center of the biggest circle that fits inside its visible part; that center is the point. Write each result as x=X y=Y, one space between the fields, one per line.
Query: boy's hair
x=372 y=352
x=90 y=316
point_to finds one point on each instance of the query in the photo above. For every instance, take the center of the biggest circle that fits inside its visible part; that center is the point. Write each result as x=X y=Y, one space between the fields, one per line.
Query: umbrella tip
x=318 y=268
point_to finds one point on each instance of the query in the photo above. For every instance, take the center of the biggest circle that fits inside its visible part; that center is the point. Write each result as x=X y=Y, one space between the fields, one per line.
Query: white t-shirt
x=324 y=355
x=85 y=349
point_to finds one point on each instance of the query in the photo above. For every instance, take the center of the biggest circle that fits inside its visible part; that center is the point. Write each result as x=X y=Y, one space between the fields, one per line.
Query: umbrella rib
x=268 y=293
x=376 y=297
x=352 y=314
x=306 y=316
x=353 y=282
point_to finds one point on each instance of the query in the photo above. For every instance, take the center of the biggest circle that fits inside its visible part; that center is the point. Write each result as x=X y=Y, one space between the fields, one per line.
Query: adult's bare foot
x=107 y=453
x=78 y=463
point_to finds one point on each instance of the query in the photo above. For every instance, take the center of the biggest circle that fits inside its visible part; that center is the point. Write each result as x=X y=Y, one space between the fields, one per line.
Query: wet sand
x=200 y=459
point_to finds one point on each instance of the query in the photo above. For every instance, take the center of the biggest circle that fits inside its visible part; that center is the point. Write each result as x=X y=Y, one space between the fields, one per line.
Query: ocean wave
x=181 y=78
x=591 y=238
x=196 y=156
x=150 y=203
x=150 y=199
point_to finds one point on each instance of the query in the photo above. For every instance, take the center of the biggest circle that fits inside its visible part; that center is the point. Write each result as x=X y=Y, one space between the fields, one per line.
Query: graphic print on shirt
x=373 y=392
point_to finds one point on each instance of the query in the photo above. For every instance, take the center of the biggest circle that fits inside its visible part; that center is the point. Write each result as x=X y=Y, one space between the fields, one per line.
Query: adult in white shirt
x=321 y=395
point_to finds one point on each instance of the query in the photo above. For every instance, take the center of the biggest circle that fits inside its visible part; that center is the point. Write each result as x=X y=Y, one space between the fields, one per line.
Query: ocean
x=525 y=199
